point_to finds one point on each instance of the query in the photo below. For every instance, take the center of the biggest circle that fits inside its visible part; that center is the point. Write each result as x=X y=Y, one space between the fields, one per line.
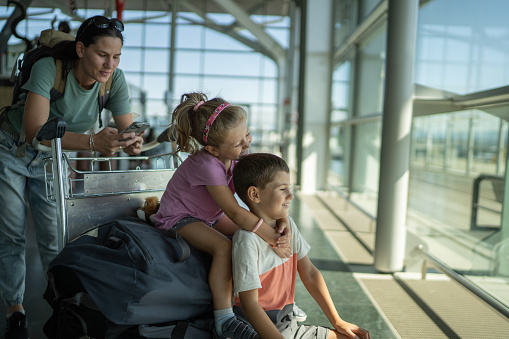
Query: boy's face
x=275 y=198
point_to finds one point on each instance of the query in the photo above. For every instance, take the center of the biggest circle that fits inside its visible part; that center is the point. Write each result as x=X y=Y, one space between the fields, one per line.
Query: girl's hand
x=283 y=252
x=283 y=228
x=284 y=246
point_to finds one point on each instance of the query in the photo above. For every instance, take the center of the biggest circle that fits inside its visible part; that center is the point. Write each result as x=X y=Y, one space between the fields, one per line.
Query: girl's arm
x=315 y=284
x=256 y=315
x=246 y=220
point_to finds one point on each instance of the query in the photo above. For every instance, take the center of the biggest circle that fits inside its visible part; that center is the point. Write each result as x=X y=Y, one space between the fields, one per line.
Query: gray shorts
x=310 y=332
x=188 y=220
x=287 y=325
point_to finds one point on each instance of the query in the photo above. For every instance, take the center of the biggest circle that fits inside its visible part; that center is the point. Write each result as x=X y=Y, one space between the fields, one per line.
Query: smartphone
x=136 y=127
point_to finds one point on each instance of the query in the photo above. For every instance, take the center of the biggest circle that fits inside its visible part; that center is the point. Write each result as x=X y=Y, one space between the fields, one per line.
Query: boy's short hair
x=256 y=169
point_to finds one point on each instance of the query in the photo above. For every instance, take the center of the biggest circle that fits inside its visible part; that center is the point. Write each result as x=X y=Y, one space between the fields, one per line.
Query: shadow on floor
x=350 y=299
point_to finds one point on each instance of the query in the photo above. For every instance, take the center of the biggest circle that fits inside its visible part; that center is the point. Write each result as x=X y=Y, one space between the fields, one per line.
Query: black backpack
x=23 y=67
x=127 y=279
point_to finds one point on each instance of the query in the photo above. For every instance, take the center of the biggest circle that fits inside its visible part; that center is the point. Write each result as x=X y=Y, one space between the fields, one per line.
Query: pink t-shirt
x=186 y=194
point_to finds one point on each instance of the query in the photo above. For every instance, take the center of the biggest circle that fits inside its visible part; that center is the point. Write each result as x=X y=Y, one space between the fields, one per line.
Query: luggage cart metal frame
x=106 y=194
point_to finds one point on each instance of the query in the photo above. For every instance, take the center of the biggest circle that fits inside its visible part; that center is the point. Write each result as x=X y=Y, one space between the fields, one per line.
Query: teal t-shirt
x=78 y=107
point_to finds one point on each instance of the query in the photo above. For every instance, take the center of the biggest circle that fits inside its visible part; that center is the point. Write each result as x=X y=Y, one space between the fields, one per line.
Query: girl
x=199 y=199
x=90 y=59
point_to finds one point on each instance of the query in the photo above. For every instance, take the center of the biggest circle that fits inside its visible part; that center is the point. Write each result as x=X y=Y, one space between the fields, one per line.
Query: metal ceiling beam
x=484 y=98
x=64 y=9
x=208 y=23
x=7 y=30
x=244 y=20
x=433 y=101
x=29 y=15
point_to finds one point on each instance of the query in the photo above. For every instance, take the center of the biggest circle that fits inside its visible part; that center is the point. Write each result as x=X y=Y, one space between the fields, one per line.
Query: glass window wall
x=371 y=72
x=366 y=6
x=458 y=159
x=341 y=85
x=345 y=20
x=462 y=51
x=205 y=60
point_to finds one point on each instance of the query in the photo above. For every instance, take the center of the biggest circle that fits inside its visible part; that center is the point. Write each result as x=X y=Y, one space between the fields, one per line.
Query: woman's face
x=97 y=61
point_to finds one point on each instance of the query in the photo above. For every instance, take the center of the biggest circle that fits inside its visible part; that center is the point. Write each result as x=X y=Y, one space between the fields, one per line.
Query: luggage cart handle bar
x=54 y=130
x=163 y=137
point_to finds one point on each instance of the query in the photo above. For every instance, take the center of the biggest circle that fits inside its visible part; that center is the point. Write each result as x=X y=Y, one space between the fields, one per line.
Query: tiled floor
x=351 y=301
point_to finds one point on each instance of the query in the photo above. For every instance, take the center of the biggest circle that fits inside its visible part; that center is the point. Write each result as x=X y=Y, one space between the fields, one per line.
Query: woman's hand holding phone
x=137 y=127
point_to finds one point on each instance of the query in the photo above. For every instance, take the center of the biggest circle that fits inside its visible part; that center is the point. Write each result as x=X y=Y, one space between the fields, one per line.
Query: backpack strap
x=104 y=94
x=179 y=332
x=59 y=84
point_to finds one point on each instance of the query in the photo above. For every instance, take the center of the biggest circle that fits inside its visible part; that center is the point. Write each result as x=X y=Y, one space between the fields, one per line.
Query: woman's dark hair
x=88 y=34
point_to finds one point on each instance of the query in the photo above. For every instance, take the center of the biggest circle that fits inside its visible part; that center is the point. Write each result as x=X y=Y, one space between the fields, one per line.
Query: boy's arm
x=256 y=316
x=246 y=220
x=315 y=284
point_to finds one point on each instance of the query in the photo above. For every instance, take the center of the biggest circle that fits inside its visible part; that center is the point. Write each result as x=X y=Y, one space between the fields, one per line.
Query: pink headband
x=195 y=108
x=212 y=118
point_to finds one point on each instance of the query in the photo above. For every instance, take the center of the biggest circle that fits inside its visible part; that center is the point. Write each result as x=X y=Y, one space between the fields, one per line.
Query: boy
x=264 y=284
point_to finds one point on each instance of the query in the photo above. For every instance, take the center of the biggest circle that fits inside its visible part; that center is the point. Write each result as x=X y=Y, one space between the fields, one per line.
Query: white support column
x=396 y=126
x=318 y=70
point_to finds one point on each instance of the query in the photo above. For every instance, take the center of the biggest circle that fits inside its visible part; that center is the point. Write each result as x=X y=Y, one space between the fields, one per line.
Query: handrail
x=475 y=199
x=490 y=300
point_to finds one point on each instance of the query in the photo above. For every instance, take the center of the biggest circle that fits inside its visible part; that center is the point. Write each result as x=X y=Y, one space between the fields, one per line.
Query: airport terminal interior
x=392 y=114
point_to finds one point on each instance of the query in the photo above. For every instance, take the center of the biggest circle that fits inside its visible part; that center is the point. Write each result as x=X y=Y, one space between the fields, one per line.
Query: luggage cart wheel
x=53 y=128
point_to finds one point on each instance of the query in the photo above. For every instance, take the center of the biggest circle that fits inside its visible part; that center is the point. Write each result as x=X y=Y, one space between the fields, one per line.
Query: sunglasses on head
x=102 y=22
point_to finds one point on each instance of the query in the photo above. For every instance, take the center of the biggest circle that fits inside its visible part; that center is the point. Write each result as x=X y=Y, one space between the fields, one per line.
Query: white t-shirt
x=257 y=266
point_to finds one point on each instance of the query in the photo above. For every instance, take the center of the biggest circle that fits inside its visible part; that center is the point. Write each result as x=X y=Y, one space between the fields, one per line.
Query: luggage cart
x=93 y=197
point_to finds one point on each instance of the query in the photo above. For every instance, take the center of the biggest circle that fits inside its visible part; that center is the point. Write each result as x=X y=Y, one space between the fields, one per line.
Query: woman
x=88 y=61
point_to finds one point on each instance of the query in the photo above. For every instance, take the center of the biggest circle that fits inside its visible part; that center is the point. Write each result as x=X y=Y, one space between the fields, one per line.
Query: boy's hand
x=352 y=331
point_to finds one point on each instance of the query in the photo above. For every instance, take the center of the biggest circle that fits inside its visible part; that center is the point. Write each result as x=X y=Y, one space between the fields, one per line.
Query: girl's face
x=97 y=61
x=235 y=145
